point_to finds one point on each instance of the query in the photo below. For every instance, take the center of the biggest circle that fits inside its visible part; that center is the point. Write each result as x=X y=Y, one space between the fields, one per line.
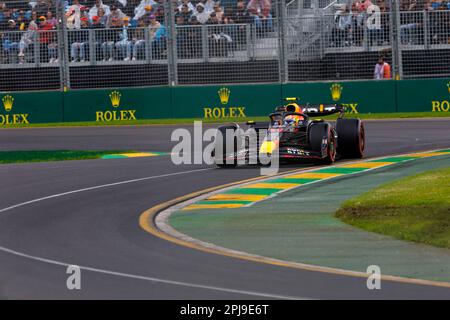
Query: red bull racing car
x=291 y=134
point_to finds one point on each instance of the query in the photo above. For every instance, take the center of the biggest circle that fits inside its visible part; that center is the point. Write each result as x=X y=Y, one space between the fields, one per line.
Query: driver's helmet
x=292 y=120
x=293 y=107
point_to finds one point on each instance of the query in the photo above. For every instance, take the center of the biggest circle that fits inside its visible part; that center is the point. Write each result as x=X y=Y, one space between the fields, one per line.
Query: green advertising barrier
x=30 y=107
x=357 y=96
x=117 y=104
x=215 y=102
x=423 y=95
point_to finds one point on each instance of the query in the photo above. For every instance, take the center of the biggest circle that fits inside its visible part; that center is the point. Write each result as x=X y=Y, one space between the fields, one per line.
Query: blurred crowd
x=123 y=21
x=351 y=25
x=122 y=28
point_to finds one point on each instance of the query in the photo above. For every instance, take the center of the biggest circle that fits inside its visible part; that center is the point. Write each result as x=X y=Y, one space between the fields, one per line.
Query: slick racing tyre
x=220 y=147
x=351 y=138
x=317 y=133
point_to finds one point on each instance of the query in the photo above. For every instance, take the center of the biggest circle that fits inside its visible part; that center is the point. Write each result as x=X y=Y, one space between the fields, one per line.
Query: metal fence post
x=396 y=40
x=171 y=43
x=37 y=49
x=248 y=40
x=425 y=30
x=205 y=44
x=63 y=46
x=92 y=48
x=148 y=46
x=281 y=24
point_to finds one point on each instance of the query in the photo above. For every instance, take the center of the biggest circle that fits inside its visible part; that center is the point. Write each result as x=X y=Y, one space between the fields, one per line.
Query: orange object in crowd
x=386 y=71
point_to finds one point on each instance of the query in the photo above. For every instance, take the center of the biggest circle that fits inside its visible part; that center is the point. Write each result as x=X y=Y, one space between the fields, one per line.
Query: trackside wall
x=219 y=101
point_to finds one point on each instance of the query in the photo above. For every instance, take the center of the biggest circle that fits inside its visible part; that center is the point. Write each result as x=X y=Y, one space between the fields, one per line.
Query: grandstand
x=79 y=44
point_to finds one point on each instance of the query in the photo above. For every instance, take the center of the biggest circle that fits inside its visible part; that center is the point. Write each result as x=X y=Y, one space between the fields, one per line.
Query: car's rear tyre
x=220 y=151
x=317 y=133
x=351 y=138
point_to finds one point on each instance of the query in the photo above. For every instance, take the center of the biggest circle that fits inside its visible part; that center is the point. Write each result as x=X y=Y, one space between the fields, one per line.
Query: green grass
x=57 y=155
x=415 y=208
x=222 y=120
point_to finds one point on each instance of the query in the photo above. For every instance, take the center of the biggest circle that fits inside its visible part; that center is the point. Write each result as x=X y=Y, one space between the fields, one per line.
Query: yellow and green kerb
x=246 y=195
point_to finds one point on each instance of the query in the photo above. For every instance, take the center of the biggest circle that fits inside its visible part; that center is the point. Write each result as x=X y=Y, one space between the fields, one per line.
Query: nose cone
x=267 y=147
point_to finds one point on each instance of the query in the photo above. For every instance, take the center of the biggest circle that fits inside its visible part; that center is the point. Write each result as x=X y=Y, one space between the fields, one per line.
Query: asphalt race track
x=97 y=228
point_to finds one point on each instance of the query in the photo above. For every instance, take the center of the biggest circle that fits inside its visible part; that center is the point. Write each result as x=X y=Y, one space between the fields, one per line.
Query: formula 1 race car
x=291 y=134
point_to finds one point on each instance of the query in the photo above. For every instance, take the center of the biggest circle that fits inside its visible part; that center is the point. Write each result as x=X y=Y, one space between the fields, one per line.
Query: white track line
x=151 y=279
x=100 y=187
x=127 y=275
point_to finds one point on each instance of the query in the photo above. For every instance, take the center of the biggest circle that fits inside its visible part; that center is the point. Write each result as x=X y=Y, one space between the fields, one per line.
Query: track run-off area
x=86 y=213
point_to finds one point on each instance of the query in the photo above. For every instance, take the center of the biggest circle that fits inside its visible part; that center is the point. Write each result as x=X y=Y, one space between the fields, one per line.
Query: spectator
x=124 y=44
x=385 y=23
x=185 y=12
x=98 y=5
x=342 y=31
x=180 y=20
x=100 y=36
x=21 y=20
x=157 y=30
x=73 y=15
x=189 y=4
x=47 y=41
x=213 y=19
x=182 y=36
x=26 y=40
x=375 y=30
x=260 y=12
x=201 y=15
x=440 y=24
x=51 y=20
x=219 y=42
x=34 y=17
x=194 y=22
x=228 y=16
x=241 y=15
x=115 y=18
x=364 y=4
x=148 y=12
x=157 y=36
x=208 y=4
x=79 y=40
x=382 y=70
x=138 y=39
x=218 y=10
x=410 y=23
x=159 y=11
x=238 y=32
x=101 y=18
x=194 y=39
x=143 y=8
x=10 y=41
x=114 y=23
x=128 y=6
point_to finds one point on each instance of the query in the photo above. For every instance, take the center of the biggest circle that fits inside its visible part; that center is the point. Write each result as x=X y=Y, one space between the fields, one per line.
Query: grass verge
x=58 y=155
x=367 y=116
x=415 y=208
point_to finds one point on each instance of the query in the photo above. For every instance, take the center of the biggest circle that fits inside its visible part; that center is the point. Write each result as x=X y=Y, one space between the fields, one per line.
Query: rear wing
x=323 y=109
x=313 y=110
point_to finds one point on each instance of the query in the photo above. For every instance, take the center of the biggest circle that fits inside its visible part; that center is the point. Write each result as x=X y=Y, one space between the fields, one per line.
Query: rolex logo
x=336 y=91
x=115 y=98
x=8 y=102
x=448 y=86
x=224 y=95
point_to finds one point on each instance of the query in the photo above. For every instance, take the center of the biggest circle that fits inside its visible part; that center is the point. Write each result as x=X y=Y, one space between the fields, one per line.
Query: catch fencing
x=296 y=41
